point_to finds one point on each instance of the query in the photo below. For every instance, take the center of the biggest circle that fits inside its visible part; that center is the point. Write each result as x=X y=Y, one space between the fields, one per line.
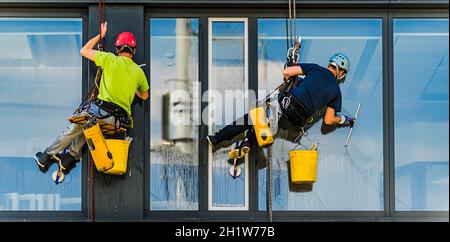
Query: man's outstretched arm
x=330 y=118
x=88 y=49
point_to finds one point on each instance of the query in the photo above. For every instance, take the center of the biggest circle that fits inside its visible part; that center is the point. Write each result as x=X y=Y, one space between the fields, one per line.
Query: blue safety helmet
x=340 y=61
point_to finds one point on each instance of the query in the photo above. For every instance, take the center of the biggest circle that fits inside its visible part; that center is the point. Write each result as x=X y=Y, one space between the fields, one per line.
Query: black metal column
x=121 y=197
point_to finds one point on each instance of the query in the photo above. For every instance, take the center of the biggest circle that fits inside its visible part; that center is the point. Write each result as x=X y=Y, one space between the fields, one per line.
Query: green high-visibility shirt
x=121 y=79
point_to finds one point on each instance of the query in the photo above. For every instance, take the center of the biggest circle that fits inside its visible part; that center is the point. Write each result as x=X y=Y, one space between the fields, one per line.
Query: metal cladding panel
x=121 y=197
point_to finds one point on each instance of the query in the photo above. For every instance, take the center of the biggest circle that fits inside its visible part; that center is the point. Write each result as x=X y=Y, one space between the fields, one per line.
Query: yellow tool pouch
x=262 y=130
x=101 y=155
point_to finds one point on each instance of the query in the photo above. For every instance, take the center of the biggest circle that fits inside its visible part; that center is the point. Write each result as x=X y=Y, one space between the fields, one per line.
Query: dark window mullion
x=203 y=131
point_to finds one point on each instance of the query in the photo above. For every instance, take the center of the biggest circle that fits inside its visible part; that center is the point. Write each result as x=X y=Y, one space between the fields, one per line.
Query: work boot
x=214 y=140
x=43 y=160
x=67 y=162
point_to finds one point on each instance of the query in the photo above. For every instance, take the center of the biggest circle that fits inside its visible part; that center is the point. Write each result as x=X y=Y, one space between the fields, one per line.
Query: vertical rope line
x=290 y=23
x=101 y=19
x=92 y=192
x=269 y=157
x=295 y=20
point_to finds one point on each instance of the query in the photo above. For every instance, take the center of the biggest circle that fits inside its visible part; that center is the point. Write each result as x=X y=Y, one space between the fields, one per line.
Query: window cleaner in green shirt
x=122 y=79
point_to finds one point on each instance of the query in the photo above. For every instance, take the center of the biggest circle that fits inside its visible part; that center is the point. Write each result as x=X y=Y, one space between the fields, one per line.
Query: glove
x=347 y=121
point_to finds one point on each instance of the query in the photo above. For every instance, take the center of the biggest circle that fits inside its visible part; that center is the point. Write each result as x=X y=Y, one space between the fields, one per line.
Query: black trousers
x=239 y=126
x=243 y=124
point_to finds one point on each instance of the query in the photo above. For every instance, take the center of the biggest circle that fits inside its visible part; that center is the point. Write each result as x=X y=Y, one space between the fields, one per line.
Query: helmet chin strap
x=341 y=80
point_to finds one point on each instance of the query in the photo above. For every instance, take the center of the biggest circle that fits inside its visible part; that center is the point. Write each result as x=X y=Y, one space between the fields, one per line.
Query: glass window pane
x=348 y=179
x=227 y=84
x=421 y=114
x=40 y=86
x=173 y=133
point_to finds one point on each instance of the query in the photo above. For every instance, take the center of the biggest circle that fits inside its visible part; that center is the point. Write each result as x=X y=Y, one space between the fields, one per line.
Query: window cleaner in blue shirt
x=318 y=90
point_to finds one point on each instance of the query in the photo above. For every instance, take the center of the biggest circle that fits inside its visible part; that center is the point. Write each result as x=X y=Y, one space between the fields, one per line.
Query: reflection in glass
x=348 y=179
x=40 y=85
x=173 y=133
x=227 y=74
x=421 y=114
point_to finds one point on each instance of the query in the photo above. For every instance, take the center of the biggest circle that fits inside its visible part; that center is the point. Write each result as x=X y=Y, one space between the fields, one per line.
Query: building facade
x=395 y=168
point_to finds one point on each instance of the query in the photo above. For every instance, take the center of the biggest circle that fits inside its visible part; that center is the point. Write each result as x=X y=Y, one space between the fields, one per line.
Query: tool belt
x=115 y=110
x=293 y=109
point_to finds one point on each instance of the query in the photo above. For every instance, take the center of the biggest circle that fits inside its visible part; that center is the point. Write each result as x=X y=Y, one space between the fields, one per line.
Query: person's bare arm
x=330 y=117
x=142 y=94
x=292 y=71
x=88 y=49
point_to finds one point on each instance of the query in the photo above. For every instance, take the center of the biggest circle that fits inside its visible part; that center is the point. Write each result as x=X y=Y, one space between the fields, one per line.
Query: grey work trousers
x=72 y=136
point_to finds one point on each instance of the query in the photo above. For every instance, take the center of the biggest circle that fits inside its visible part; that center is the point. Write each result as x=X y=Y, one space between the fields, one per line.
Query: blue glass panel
x=228 y=74
x=174 y=146
x=421 y=114
x=40 y=85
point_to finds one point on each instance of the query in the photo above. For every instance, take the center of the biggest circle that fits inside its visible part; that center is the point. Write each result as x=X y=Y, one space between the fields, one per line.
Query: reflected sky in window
x=421 y=93
x=40 y=86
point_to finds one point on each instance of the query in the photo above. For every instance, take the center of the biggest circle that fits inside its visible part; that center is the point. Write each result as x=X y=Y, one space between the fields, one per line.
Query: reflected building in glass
x=40 y=86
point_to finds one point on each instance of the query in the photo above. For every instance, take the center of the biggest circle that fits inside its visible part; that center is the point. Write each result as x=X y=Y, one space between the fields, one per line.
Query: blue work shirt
x=319 y=88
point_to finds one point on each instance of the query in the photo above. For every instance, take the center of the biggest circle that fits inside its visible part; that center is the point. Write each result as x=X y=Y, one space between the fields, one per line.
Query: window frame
x=81 y=215
x=211 y=21
x=403 y=14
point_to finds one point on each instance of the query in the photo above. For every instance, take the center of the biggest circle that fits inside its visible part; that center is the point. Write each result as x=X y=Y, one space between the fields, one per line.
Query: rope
x=94 y=91
x=92 y=192
x=287 y=32
x=269 y=168
x=100 y=47
x=295 y=20
x=290 y=41
x=290 y=23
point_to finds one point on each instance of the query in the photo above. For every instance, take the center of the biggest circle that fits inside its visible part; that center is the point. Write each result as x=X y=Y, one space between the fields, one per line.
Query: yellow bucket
x=303 y=166
x=119 y=149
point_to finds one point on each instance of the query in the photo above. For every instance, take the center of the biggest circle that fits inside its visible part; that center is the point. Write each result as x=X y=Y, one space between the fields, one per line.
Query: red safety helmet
x=125 y=38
